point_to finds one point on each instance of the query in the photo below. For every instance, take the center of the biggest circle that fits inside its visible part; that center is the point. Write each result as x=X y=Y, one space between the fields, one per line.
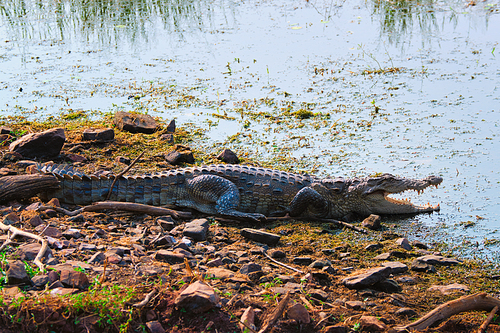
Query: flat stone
x=135 y=123
x=355 y=305
x=339 y=328
x=407 y=279
x=29 y=251
x=450 y=288
x=35 y=221
x=228 y=156
x=196 y=229
x=318 y=294
x=420 y=245
x=42 y=144
x=367 y=278
x=260 y=236
x=52 y=232
x=176 y=157
x=250 y=268
x=168 y=138
x=215 y=263
x=97 y=258
x=277 y=254
x=373 y=247
x=319 y=264
x=64 y=291
x=438 y=260
x=197 y=298
x=302 y=261
x=396 y=267
x=72 y=233
x=100 y=134
x=40 y=280
x=372 y=324
x=16 y=274
x=298 y=313
x=404 y=243
x=372 y=222
x=87 y=247
x=388 y=286
x=383 y=256
x=420 y=266
x=220 y=273
x=11 y=218
x=248 y=318
x=155 y=327
x=74 y=279
x=406 y=312
x=169 y=257
x=167 y=223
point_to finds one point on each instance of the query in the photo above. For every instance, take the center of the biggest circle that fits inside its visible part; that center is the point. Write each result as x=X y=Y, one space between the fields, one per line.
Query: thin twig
x=276 y=314
x=17 y=232
x=122 y=173
x=146 y=299
x=488 y=320
x=282 y=264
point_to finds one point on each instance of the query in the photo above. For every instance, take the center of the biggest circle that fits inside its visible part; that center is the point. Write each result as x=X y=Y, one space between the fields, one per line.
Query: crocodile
x=242 y=191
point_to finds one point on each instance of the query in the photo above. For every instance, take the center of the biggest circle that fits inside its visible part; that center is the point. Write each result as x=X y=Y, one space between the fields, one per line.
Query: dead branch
x=276 y=314
x=146 y=299
x=12 y=232
x=26 y=186
x=125 y=206
x=282 y=264
x=479 y=301
x=487 y=321
x=122 y=173
x=332 y=221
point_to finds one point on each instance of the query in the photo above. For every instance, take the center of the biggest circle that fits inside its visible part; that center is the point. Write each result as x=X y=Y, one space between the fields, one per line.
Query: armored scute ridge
x=244 y=191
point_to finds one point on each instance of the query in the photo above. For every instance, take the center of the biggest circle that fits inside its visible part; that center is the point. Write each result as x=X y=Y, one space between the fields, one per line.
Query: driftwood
x=479 y=301
x=125 y=206
x=146 y=299
x=282 y=264
x=332 y=221
x=13 y=232
x=487 y=321
x=26 y=186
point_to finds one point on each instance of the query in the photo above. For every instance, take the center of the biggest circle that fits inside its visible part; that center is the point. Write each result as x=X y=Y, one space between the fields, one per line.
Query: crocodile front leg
x=213 y=193
x=308 y=197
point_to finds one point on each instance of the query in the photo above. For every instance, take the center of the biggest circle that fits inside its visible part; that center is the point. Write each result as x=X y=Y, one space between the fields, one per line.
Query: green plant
x=356 y=327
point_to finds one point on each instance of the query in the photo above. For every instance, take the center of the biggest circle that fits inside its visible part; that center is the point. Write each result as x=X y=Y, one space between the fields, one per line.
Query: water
x=401 y=87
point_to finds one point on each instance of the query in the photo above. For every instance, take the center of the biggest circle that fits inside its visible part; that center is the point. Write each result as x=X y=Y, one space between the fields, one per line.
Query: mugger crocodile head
x=370 y=195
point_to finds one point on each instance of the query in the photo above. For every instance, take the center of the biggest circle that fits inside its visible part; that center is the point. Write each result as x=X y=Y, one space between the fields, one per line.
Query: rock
x=383 y=256
x=29 y=252
x=35 y=221
x=74 y=279
x=63 y=291
x=123 y=160
x=302 y=261
x=167 y=223
x=404 y=243
x=407 y=279
x=396 y=267
x=52 y=232
x=72 y=233
x=372 y=324
x=100 y=134
x=215 y=263
x=171 y=127
x=6 y=130
x=228 y=156
x=373 y=247
x=388 y=286
x=438 y=260
x=367 y=278
x=277 y=254
x=87 y=247
x=248 y=317
x=339 y=328
x=420 y=266
x=11 y=218
x=355 y=305
x=155 y=327
x=450 y=289
x=16 y=274
x=97 y=258
x=299 y=313
x=176 y=157
x=40 y=280
x=260 y=236
x=197 y=298
x=406 y=312
x=135 y=123
x=372 y=222
x=318 y=294
x=76 y=158
x=43 y=144
x=196 y=229
x=250 y=268
x=319 y=264
x=420 y=245
x=169 y=257
x=168 y=138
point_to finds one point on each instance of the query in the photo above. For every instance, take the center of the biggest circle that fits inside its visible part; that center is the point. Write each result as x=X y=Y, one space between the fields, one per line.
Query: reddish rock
x=100 y=134
x=35 y=221
x=16 y=274
x=197 y=298
x=450 y=288
x=74 y=279
x=372 y=324
x=372 y=222
x=155 y=327
x=11 y=218
x=135 y=123
x=299 y=313
x=228 y=156
x=42 y=144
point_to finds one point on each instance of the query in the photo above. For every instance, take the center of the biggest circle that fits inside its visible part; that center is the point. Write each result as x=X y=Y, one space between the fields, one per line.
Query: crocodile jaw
x=380 y=203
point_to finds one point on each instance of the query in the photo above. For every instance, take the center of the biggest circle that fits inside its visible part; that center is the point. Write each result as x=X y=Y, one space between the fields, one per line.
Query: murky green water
x=406 y=87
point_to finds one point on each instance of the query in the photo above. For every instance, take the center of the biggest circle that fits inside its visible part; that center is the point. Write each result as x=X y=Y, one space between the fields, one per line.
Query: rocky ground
x=115 y=271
